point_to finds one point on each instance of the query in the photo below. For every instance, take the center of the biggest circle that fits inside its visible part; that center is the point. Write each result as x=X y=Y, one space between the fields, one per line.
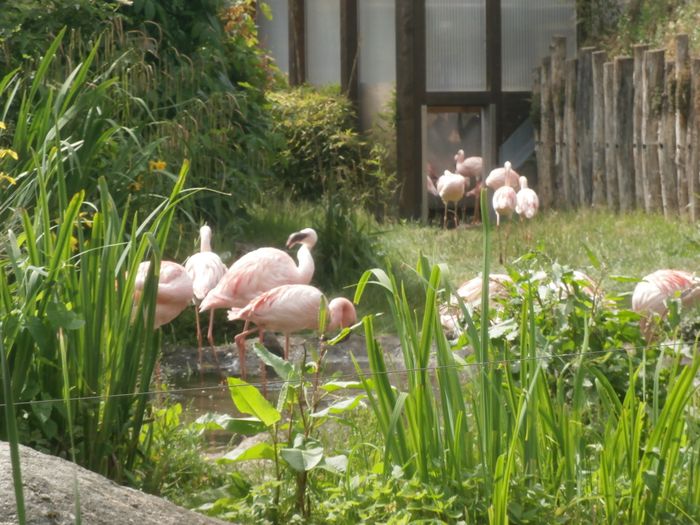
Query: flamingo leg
x=240 y=342
x=444 y=219
x=456 y=214
x=263 y=368
x=199 y=337
x=286 y=347
x=210 y=338
x=476 y=209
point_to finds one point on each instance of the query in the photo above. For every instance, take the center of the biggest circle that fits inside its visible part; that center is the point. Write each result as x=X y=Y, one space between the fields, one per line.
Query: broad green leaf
x=341 y=406
x=257 y=451
x=305 y=455
x=249 y=400
x=332 y=386
x=335 y=464
x=282 y=367
x=248 y=426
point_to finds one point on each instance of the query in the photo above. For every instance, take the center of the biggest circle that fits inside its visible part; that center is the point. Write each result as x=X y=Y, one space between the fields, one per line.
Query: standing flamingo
x=654 y=290
x=527 y=202
x=504 y=203
x=450 y=187
x=206 y=270
x=472 y=169
x=174 y=290
x=291 y=308
x=259 y=271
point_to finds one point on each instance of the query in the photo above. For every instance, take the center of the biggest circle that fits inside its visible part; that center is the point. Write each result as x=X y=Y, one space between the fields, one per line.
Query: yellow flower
x=8 y=153
x=156 y=165
x=2 y=125
x=5 y=176
x=136 y=185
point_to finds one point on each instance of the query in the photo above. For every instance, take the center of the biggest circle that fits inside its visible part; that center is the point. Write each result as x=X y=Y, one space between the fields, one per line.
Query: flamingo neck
x=306 y=264
x=205 y=240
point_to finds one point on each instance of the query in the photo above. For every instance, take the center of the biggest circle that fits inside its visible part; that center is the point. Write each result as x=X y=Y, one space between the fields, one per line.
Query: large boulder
x=49 y=496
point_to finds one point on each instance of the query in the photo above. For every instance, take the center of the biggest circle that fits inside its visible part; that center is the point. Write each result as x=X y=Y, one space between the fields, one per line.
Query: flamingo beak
x=295 y=238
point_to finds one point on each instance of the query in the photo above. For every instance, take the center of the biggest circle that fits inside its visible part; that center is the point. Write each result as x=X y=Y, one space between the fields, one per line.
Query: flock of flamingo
x=267 y=288
x=264 y=287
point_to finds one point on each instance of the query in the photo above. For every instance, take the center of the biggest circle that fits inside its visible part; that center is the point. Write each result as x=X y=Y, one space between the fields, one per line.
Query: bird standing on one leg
x=206 y=270
x=450 y=187
x=259 y=271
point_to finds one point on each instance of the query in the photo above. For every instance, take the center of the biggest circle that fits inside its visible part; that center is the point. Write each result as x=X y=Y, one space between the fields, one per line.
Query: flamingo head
x=342 y=313
x=508 y=166
x=523 y=182
x=307 y=237
x=460 y=156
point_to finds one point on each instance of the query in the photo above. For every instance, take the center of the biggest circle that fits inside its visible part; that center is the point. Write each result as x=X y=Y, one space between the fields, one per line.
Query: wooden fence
x=622 y=133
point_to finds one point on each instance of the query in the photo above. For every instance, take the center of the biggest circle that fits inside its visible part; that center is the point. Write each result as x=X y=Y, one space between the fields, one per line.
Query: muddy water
x=200 y=393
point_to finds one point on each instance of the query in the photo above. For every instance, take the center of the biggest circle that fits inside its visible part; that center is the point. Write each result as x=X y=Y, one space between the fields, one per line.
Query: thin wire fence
x=355 y=377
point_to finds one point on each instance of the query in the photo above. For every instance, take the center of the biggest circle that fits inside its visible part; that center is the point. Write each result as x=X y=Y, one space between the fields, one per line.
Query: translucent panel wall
x=377 y=56
x=447 y=132
x=274 y=34
x=527 y=29
x=323 y=41
x=455 y=34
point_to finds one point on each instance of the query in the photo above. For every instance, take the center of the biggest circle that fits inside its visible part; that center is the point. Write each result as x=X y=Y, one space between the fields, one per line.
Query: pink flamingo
x=291 y=308
x=450 y=187
x=469 y=167
x=174 y=290
x=504 y=203
x=505 y=176
x=259 y=271
x=653 y=291
x=206 y=269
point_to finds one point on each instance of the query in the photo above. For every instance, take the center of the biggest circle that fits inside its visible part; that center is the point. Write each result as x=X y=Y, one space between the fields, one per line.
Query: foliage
x=325 y=154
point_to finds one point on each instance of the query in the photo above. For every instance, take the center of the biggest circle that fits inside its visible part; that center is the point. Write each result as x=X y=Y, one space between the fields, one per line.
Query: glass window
x=323 y=41
x=528 y=28
x=274 y=34
x=377 y=57
x=455 y=34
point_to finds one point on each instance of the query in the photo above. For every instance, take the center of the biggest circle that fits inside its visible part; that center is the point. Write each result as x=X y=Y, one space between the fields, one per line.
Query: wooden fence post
x=545 y=159
x=693 y=165
x=598 y=197
x=570 y=181
x=584 y=123
x=624 y=111
x=558 y=53
x=638 y=81
x=667 y=143
x=653 y=87
x=682 y=96
x=612 y=196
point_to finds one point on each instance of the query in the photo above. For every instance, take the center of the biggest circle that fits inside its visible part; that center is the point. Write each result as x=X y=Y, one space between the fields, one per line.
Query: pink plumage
x=450 y=187
x=527 y=201
x=503 y=176
x=652 y=292
x=259 y=271
x=206 y=269
x=174 y=290
x=292 y=308
x=504 y=202
x=263 y=269
x=469 y=167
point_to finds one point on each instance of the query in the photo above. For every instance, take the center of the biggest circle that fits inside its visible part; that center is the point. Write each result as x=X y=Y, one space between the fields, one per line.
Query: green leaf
x=250 y=401
x=341 y=406
x=248 y=426
x=335 y=464
x=281 y=366
x=304 y=456
x=60 y=317
x=332 y=386
x=257 y=451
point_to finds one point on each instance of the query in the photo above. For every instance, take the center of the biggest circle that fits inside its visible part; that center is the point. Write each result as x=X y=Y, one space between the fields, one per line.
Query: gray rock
x=50 y=498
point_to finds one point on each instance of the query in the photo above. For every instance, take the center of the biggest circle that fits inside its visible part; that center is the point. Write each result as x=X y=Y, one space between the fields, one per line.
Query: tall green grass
x=534 y=431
